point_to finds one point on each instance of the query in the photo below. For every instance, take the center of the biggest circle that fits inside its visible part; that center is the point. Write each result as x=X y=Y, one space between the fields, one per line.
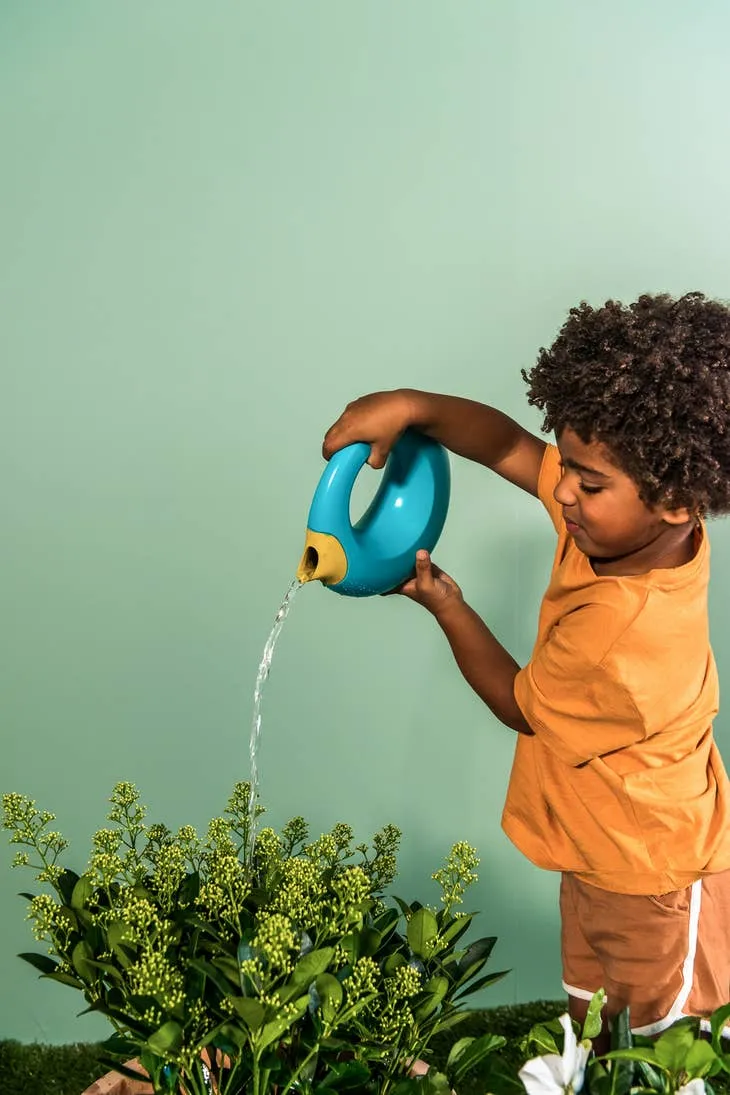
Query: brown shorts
x=664 y=956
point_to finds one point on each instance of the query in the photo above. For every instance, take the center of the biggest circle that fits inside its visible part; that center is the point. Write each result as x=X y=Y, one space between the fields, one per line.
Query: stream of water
x=261 y=678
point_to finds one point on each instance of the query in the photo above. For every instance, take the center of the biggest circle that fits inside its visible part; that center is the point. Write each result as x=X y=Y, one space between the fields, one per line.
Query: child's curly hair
x=651 y=381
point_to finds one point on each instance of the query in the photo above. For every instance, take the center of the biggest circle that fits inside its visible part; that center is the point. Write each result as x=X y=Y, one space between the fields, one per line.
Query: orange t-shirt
x=622 y=782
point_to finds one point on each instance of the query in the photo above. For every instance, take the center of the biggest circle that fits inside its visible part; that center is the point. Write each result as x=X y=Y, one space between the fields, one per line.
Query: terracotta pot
x=116 y=1084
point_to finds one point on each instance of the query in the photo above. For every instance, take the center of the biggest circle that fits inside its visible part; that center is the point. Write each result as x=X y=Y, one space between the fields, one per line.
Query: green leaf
x=343 y=1075
x=115 y=932
x=124 y=1070
x=433 y=1083
x=311 y=965
x=81 y=960
x=84 y=918
x=64 y=979
x=597 y=1079
x=330 y=995
x=404 y=908
x=446 y=1022
x=500 y=1079
x=251 y=1011
x=126 y=1021
x=718 y=1019
x=66 y=882
x=96 y=1006
x=350 y=946
x=471 y=964
x=211 y=1035
x=69 y=916
x=234 y=1034
x=393 y=962
x=456 y=1051
x=621 y=1037
x=622 y=1073
x=637 y=1053
x=167 y=1040
x=432 y=994
x=700 y=1060
x=41 y=962
x=481 y=983
x=386 y=921
x=421 y=932
x=621 y=1079
x=82 y=891
x=649 y=1076
x=673 y=1046
x=474 y=1054
x=140 y=1002
x=189 y=889
x=273 y=1030
x=369 y=942
x=119 y=1046
x=458 y=927
x=229 y=967
x=124 y=952
x=543 y=1039
x=219 y=980
x=593 y=1023
x=107 y=968
x=478 y=951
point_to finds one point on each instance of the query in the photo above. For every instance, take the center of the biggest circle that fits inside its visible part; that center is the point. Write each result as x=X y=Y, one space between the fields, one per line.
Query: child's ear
x=677 y=516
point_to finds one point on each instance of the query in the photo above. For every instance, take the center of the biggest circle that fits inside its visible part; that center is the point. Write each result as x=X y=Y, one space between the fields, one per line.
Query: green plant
x=228 y=970
x=681 y=1061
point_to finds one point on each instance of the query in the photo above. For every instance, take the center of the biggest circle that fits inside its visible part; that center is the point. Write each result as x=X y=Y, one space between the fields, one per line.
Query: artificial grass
x=68 y=1070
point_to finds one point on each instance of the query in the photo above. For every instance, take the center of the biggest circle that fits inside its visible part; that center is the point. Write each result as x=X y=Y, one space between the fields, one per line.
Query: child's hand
x=431 y=587
x=378 y=419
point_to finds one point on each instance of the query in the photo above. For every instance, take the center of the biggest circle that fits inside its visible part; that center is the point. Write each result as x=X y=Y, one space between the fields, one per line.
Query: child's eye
x=590 y=490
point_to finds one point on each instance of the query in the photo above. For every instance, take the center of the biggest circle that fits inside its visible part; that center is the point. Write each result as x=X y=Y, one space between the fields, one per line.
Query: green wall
x=220 y=222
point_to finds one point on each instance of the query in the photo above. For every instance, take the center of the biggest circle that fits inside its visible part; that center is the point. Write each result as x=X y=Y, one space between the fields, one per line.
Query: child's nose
x=564 y=494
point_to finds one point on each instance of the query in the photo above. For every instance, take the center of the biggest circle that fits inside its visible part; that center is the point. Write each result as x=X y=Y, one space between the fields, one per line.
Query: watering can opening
x=308 y=565
x=323 y=560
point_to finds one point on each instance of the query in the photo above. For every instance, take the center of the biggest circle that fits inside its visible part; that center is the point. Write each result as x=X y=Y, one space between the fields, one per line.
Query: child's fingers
x=424 y=573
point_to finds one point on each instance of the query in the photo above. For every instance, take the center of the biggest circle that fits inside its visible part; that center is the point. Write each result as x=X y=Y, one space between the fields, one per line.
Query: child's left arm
x=483 y=661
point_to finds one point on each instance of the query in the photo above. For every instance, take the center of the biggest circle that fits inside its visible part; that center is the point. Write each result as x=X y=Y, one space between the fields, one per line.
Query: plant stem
x=232 y=1075
x=295 y=1075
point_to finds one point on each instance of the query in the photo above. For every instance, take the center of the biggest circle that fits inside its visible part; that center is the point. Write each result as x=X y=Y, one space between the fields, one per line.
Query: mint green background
x=219 y=223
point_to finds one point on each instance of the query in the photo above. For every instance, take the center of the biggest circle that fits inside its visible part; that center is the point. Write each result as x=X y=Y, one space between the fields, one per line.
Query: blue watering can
x=408 y=512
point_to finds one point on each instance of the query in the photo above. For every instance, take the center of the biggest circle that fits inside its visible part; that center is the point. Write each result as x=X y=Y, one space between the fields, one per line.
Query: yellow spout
x=323 y=560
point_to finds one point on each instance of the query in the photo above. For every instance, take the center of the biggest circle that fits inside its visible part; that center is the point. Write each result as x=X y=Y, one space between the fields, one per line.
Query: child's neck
x=675 y=546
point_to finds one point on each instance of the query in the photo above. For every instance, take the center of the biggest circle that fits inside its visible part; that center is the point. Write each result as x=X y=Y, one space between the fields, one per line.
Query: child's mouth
x=571 y=527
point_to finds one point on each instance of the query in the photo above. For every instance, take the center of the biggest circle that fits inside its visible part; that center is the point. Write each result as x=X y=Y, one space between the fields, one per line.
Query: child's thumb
x=378 y=456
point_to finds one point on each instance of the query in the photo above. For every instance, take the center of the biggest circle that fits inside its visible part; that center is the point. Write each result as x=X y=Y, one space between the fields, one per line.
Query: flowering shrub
x=227 y=968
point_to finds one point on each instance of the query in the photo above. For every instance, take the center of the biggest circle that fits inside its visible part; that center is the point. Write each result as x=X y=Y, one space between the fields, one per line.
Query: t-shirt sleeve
x=575 y=705
x=548 y=480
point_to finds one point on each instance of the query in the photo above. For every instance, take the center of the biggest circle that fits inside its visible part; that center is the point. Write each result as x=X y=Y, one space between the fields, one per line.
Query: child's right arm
x=469 y=429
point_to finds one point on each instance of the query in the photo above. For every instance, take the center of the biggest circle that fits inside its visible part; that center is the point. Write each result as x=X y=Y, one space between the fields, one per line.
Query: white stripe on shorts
x=580 y=994
x=676 y=1011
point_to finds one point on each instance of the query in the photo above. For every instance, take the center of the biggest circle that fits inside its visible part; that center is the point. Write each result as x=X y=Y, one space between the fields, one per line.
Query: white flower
x=553 y=1075
x=694 y=1087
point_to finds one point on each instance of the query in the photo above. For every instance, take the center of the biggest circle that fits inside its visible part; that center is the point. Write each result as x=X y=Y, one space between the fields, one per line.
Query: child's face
x=605 y=515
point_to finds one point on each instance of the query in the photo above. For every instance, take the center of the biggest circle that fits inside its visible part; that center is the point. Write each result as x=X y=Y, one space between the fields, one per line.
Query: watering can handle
x=339 y=479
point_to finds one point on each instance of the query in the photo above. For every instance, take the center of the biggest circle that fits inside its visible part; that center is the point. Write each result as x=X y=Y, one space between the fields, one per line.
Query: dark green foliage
x=47 y=1070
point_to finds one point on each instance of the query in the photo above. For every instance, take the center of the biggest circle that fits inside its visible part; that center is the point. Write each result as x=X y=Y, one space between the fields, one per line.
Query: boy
x=617 y=782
